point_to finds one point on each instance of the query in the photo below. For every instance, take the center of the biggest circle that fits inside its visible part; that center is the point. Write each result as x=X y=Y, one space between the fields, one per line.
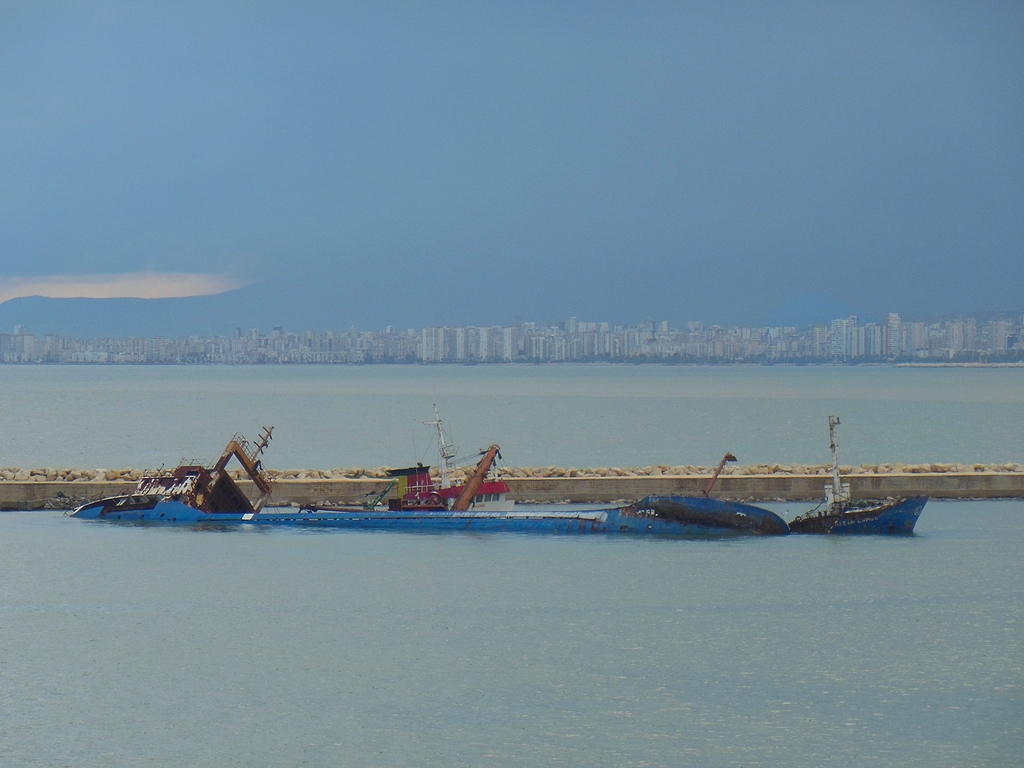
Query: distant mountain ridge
x=258 y=306
x=144 y=318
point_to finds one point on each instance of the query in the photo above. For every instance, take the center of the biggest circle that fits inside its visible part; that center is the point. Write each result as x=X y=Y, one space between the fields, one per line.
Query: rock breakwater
x=66 y=488
x=49 y=474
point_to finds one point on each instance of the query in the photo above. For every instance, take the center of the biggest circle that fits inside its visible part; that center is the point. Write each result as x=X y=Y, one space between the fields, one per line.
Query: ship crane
x=476 y=480
x=718 y=470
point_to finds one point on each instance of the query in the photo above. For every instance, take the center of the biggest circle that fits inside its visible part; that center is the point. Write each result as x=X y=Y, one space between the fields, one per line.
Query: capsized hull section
x=654 y=515
x=896 y=517
x=703 y=514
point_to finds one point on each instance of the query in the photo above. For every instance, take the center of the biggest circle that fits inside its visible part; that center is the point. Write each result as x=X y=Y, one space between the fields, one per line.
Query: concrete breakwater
x=65 y=488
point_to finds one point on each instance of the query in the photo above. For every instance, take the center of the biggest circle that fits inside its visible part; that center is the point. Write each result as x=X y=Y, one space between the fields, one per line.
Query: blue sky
x=466 y=163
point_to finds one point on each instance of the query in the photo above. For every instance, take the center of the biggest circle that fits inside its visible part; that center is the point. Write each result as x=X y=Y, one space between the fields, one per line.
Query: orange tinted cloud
x=137 y=285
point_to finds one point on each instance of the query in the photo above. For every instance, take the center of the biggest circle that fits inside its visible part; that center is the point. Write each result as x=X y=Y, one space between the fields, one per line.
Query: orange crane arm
x=718 y=471
x=465 y=498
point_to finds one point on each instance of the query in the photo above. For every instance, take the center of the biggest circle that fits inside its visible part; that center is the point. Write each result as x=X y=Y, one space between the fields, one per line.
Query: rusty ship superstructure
x=192 y=492
x=482 y=491
x=840 y=514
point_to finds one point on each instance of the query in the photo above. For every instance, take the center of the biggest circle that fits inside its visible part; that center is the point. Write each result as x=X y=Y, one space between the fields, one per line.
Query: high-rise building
x=484 y=344
x=853 y=348
x=970 y=334
x=955 y=337
x=998 y=332
x=433 y=345
x=837 y=339
x=917 y=337
x=857 y=341
x=460 y=344
x=894 y=335
x=509 y=344
x=819 y=341
x=874 y=340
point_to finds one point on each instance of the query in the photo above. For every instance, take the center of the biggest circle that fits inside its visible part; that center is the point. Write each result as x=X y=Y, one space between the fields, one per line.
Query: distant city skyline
x=252 y=307
x=842 y=340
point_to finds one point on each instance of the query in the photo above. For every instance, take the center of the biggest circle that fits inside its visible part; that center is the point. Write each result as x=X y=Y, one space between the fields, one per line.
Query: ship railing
x=251 y=452
x=244 y=445
x=183 y=462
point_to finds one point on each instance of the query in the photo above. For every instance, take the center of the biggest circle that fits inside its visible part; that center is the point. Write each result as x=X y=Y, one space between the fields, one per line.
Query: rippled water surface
x=597 y=415
x=131 y=645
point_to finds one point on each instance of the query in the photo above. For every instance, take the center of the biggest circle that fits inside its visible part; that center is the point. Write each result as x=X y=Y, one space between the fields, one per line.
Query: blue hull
x=897 y=517
x=718 y=518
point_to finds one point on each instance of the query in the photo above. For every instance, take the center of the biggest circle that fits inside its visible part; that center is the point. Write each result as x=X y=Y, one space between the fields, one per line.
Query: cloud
x=136 y=285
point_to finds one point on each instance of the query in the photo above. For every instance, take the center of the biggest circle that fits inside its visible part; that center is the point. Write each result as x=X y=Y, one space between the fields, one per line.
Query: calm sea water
x=123 y=645
x=566 y=415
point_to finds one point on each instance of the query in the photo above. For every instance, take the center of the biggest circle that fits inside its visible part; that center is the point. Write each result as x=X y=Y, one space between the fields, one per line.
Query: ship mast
x=446 y=450
x=836 y=495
